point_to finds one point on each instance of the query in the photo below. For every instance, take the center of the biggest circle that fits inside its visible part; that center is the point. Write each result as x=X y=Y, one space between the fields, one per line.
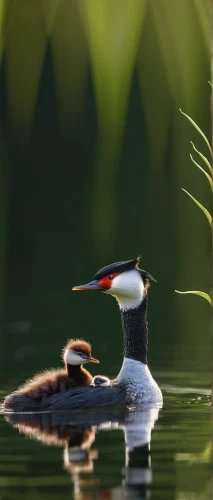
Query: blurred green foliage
x=95 y=154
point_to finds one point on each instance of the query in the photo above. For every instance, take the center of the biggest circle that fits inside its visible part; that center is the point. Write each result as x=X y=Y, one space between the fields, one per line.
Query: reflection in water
x=76 y=433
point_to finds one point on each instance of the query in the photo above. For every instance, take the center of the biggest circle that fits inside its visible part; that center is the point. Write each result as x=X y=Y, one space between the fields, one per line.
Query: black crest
x=121 y=267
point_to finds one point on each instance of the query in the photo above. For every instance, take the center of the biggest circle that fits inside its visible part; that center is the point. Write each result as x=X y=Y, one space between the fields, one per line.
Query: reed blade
x=204 y=172
x=202 y=156
x=204 y=210
x=198 y=129
x=205 y=296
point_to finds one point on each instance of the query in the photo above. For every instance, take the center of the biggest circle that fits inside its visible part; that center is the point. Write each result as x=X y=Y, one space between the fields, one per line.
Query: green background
x=94 y=152
x=93 y=155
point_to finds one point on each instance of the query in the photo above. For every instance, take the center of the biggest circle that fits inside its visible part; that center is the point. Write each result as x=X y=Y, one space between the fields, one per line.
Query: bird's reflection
x=76 y=434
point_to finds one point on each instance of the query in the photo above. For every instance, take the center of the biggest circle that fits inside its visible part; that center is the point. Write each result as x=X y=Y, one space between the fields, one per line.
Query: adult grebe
x=134 y=383
x=100 y=381
x=75 y=354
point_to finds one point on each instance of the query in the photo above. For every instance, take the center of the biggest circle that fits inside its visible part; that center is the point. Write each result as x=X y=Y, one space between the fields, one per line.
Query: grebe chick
x=100 y=381
x=75 y=354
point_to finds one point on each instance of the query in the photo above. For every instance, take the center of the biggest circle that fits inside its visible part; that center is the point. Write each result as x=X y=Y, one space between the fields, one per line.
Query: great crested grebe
x=100 y=381
x=134 y=383
x=75 y=354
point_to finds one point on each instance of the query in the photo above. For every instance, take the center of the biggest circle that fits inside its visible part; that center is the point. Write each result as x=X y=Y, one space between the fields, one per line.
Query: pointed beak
x=93 y=285
x=90 y=359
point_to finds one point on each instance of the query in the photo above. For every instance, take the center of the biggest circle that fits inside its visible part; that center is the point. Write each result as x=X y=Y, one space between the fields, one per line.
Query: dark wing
x=20 y=402
x=75 y=398
x=85 y=397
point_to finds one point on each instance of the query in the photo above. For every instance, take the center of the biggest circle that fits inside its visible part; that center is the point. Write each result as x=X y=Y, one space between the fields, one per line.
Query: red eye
x=106 y=282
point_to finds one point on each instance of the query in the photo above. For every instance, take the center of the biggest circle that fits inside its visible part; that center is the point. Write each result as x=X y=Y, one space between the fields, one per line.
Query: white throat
x=126 y=303
x=72 y=358
x=128 y=289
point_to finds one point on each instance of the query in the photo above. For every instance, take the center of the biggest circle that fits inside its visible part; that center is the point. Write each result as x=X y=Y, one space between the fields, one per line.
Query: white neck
x=136 y=376
x=126 y=303
x=133 y=371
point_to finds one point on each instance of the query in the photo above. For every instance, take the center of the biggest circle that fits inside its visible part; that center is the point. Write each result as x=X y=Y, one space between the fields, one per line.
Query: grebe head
x=124 y=280
x=78 y=352
x=100 y=381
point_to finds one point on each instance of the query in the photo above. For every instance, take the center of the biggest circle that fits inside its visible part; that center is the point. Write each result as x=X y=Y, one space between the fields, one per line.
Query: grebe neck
x=73 y=370
x=135 y=332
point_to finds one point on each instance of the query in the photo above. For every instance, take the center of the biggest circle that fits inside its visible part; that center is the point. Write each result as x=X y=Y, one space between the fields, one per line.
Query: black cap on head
x=118 y=267
x=121 y=267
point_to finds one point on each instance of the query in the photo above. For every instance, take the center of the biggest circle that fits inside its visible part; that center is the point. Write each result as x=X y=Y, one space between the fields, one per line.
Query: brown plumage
x=58 y=380
x=78 y=345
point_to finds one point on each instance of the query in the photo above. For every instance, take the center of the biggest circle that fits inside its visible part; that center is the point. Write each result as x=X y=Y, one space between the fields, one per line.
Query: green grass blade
x=204 y=172
x=203 y=157
x=197 y=292
x=198 y=129
x=210 y=83
x=204 y=210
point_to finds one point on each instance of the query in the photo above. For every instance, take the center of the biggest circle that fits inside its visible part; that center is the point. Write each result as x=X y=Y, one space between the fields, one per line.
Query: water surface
x=148 y=454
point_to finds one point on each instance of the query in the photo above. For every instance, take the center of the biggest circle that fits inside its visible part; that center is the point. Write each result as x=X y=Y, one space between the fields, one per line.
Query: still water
x=154 y=453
